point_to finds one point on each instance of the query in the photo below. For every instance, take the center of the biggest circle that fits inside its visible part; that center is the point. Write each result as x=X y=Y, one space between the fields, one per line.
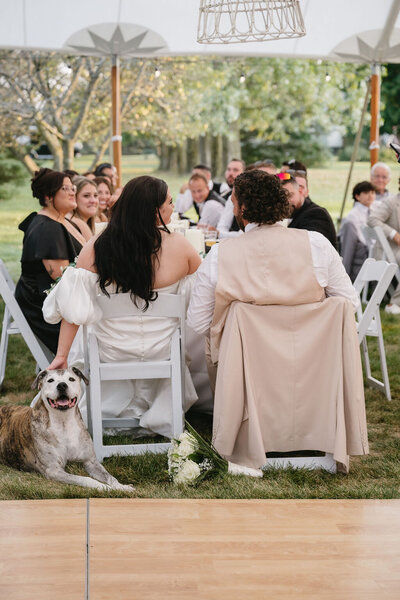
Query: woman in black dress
x=50 y=243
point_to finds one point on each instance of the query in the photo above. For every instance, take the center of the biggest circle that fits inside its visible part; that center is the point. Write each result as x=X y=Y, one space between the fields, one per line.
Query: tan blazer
x=289 y=372
x=386 y=214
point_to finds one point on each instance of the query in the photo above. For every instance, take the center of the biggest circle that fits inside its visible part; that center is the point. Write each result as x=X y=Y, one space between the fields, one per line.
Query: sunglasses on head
x=285 y=176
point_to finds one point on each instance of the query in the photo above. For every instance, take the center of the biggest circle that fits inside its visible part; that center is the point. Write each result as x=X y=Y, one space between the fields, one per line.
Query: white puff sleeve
x=73 y=298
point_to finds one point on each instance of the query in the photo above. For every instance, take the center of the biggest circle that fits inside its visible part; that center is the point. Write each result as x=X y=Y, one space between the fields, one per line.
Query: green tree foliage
x=284 y=106
x=391 y=98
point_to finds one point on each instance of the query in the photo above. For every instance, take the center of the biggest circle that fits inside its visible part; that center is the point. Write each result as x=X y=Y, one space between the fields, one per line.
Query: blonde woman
x=87 y=204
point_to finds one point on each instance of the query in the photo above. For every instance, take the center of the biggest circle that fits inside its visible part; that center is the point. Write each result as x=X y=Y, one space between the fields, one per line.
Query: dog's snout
x=62 y=386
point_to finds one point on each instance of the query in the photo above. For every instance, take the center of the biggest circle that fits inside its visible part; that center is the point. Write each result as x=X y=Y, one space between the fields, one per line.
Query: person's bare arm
x=53 y=267
x=66 y=337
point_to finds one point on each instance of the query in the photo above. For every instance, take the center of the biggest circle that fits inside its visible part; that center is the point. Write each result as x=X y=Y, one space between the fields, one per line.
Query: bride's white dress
x=140 y=338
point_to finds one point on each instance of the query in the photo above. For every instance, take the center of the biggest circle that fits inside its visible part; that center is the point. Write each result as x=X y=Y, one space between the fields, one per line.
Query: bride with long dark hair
x=135 y=253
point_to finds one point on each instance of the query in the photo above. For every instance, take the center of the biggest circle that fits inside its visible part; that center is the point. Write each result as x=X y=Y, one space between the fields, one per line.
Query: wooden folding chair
x=369 y=320
x=15 y=322
x=121 y=305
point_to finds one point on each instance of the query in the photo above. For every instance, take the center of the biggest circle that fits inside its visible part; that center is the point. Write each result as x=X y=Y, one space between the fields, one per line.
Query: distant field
x=326 y=188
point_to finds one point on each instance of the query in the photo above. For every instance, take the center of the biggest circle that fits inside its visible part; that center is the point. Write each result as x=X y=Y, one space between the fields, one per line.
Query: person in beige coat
x=279 y=309
x=386 y=214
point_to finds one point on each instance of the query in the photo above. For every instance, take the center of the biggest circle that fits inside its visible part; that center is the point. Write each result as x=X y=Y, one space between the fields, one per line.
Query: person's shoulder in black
x=214 y=196
x=45 y=238
x=313 y=217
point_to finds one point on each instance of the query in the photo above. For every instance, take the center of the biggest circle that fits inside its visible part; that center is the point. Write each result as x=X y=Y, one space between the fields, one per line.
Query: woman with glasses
x=50 y=243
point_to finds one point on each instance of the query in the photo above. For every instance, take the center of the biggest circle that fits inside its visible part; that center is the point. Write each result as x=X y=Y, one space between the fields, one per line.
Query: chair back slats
x=369 y=321
x=14 y=322
x=171 y=306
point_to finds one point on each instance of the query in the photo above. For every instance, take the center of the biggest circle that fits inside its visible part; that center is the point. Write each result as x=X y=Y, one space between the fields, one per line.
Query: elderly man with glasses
x=380 y=178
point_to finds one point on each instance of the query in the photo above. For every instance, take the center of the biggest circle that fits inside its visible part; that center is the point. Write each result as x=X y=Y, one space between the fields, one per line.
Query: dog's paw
x=125 y=488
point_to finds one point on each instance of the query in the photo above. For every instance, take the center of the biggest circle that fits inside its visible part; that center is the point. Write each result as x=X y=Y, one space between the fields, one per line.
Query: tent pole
x=355 y=149
x=116 y=116
x=375 y=100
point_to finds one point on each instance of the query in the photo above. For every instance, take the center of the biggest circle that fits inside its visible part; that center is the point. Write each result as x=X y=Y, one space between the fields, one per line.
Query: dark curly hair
x=45 y=183
x=127 y=250
x=262 y=197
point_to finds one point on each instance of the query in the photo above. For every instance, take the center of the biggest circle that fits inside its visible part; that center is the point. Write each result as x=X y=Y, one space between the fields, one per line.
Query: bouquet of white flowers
x=191 y=459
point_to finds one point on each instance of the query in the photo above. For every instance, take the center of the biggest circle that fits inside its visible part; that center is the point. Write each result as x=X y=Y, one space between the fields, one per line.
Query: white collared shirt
x=358 y=216
x=226 y=220
x=328 y=269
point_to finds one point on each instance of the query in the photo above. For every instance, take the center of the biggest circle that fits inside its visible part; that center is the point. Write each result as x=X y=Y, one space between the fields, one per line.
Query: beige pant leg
x=211 y=368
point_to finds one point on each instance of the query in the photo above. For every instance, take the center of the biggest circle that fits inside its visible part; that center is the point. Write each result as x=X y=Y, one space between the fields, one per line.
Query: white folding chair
x=15 y=322
x=121 y=305
x=369 y=320
x=379 y=248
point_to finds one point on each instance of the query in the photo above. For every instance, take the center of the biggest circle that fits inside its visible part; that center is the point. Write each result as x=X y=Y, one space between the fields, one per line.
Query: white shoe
x=392 y=309
x=234 y=469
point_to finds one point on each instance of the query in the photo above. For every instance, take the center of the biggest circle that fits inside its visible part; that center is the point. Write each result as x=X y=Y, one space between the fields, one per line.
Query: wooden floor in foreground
x=128 y=549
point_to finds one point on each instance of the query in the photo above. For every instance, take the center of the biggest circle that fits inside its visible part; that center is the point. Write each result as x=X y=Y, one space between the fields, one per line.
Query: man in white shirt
x=327 y=265
x=208 y=204
x=184 y=200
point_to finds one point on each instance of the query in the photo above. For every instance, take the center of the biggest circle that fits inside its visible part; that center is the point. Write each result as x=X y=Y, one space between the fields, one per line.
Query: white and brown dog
x=51 y=433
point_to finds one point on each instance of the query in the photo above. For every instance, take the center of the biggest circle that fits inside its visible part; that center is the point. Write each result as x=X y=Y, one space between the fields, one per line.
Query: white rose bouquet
x=191 y=459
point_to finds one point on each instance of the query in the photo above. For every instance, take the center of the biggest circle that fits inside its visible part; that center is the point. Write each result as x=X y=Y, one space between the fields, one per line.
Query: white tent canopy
x=336 y=29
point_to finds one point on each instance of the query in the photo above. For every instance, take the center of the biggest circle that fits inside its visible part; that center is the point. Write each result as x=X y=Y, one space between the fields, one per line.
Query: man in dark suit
x=306 y=214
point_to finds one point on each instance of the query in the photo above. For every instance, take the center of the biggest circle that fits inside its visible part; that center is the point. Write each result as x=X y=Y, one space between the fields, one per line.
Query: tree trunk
x=192 y=153
x=182 y=155
x=226 y=155
x=172 y=159
x=98 y=157
x=25 y=159
x=163 y=156
x=217 y=161
x=235 y=149
x=205 y=143
x=68 y=151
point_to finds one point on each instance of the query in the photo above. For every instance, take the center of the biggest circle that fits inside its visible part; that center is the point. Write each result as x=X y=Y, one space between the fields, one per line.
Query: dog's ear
x=79 y=373
x=39 y=379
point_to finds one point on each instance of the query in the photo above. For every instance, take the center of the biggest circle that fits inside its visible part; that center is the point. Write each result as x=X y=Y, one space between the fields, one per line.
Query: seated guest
x=386 y=214
x=184 y=200
x=353 y=247
x=208 y=204
x=305 y=213
x=107 y=170
x=283 y=268
x=136 y=253
x=50 y=243
x=87 y=205
x=293 y=165
x=105 y=191
x=380 y=178
x=89 y=175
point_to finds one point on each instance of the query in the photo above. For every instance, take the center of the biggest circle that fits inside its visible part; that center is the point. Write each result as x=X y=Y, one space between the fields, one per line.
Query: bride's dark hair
x=127 y=250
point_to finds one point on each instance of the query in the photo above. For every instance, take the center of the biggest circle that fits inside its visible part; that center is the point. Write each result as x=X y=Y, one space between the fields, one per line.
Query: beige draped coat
x=289 y=370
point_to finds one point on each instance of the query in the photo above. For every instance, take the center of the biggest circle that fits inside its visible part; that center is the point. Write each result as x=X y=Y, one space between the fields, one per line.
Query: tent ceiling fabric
x=343 y=30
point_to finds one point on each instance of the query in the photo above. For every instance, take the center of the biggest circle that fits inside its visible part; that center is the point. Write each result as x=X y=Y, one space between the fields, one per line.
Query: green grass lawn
x=373 y=476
